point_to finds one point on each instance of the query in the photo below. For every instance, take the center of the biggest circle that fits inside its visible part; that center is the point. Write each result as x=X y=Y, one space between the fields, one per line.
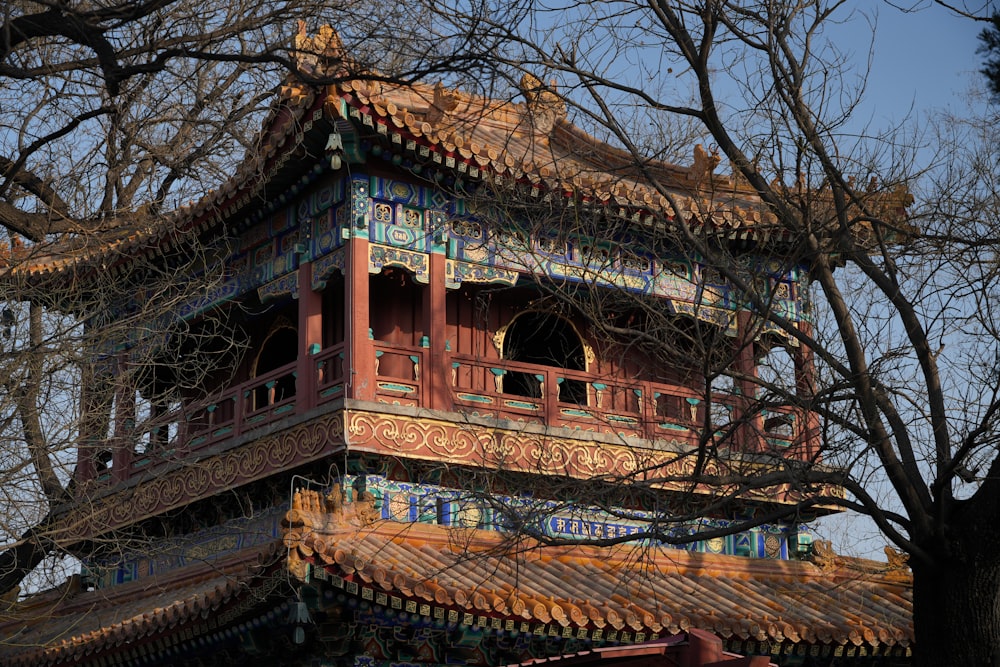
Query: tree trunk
x=19 y=560
x=956 y=603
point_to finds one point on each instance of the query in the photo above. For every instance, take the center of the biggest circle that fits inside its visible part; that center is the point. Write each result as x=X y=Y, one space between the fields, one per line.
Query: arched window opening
x=547 y=340
x=279 y=349
x=778 y=383
x=775 y=369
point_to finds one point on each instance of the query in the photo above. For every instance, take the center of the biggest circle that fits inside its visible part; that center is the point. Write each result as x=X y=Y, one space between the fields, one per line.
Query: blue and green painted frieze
x=407 y=502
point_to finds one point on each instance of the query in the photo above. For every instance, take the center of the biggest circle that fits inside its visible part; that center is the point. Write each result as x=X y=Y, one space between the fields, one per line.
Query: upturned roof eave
x=626 y=587
x=302 y=119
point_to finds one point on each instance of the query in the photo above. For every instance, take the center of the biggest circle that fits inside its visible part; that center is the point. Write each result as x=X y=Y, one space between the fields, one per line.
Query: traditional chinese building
x=348 y=486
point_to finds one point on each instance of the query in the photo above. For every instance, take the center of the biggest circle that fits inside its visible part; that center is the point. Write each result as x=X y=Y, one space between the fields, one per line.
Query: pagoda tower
x=386 y=428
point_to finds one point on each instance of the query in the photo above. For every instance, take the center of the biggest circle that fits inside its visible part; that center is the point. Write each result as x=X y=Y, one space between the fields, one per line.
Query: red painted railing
x=498 y=388
x=575 y=399
x=330 y=382
x=265 y=399
x=398 y=371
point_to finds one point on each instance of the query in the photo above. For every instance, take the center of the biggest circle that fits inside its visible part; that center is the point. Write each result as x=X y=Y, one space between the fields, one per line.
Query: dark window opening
x=280 y=349
x=546 y=340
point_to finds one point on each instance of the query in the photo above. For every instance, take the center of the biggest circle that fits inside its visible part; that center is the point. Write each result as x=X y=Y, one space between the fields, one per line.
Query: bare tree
x=113 y=116
x=115 y=113
x=902 y=264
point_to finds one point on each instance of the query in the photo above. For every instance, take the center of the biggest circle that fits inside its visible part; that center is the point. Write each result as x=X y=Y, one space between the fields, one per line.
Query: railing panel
x=398 y=370
x=600 y=404
x=500 y=388
x=575 y=399
x=781 y=427
x=257 y=402
x=158 y=439
x=329 y=367
x=266 y=398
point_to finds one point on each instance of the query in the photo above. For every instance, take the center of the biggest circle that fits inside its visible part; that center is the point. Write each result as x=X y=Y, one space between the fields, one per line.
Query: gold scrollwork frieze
x=243 y=464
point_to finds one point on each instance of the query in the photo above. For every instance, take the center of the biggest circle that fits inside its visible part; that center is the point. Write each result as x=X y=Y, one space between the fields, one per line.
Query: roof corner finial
x=704 y=163
x=444 y=102
x=545 y=106
x=320 y=55
x=896 y=560
x=823 y=555
x=902 y=196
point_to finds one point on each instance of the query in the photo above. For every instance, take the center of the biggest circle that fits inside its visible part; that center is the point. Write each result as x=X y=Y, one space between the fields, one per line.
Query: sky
x=922 y=59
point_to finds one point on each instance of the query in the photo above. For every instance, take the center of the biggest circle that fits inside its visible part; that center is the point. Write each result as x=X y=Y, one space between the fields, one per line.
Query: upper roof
x=534 y=143
x=530 y=143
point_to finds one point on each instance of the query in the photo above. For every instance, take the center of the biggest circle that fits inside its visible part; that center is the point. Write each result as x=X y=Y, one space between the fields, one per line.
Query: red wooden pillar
x=748 y=434
x=125 y=417
x=807 y=429
x=437 y=373
x=703 y=648
x=93 y=425
x=310 y=338
x=550 y=398
x=359 y=350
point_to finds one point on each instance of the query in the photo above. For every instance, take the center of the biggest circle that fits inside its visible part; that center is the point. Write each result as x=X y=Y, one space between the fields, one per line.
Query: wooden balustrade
x=398 y=371
x=260 y=401
x=497 y=388
x=330 y=381
x=575 y=399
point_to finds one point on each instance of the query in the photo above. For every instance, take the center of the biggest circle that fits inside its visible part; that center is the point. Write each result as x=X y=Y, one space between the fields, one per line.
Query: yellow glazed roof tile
x=627 y=588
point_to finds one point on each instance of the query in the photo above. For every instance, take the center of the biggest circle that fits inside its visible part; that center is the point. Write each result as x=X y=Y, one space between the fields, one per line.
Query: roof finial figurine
x=704 y=163
x=823 y=554
x=444 y=103
x=897 y=560
x=321 y=54
x=545 y=105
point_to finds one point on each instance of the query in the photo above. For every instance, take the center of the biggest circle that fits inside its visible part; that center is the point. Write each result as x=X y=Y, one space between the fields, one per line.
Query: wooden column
x=95 y=412
x=125 y=418
x=437 y=373
x=748 y=434
x=703 y=648
x=807 y=430
x=310 y=328
x=359 y=352
x=550 y=397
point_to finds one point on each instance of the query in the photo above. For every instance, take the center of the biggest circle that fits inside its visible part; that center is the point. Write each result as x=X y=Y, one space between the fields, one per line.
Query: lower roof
x=605 y=595
x=139 y=621
x=641 y=591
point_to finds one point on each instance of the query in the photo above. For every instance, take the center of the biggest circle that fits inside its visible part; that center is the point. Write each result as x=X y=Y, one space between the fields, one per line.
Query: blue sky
x=926 y=59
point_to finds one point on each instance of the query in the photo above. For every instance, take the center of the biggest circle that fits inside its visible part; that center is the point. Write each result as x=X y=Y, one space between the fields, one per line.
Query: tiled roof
x=639 y=590
x=628 y=588
x=533 y=146
x=283 y=133
x=68 y=624
x=531 y=143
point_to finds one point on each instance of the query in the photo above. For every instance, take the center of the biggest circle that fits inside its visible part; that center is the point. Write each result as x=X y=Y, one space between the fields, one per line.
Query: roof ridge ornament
x=321 y=55
x=545 y=106
x=445 y=101
x=896 y=560
x=823 y=555
x=704 y=163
